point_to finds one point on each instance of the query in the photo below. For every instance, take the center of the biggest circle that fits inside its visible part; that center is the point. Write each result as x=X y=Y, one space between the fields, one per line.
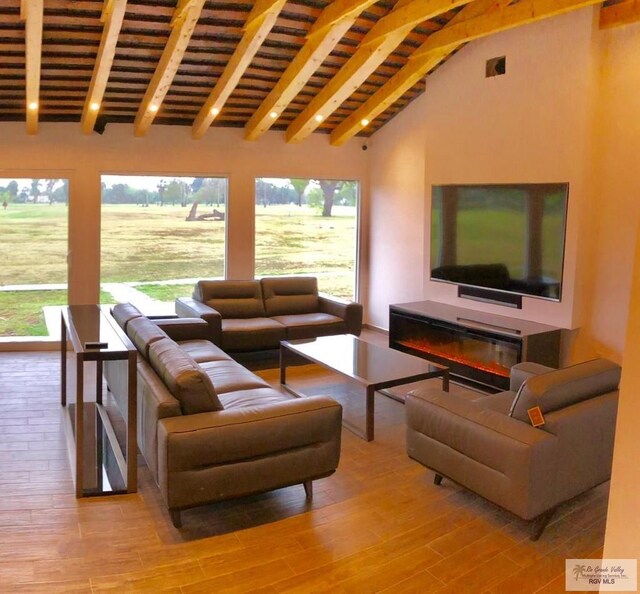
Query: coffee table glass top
x=360 y=360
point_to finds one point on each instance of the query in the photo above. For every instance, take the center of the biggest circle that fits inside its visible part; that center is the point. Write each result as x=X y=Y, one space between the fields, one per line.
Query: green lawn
x=147 y=244
x=166 y=292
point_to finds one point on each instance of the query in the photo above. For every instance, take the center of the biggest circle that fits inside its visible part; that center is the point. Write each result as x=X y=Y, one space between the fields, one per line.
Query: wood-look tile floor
x=377 y=525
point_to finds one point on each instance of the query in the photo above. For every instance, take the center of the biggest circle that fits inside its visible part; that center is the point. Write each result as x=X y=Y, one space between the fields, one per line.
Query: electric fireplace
x=479 y=348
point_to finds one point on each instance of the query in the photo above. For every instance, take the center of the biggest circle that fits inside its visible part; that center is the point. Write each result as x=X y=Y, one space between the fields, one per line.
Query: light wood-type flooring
x=377 y=525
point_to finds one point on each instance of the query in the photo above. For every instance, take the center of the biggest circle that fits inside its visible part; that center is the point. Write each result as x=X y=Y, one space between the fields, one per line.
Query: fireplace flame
x=455 y=352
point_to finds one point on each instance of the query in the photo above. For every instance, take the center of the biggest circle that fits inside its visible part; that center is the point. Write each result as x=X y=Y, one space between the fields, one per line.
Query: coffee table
x=375 y=367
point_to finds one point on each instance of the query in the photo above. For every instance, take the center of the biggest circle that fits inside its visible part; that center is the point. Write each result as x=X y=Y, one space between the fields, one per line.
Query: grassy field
x=151 y=244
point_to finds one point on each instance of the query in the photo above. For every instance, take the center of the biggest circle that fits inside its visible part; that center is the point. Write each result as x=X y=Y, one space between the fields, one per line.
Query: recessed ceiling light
x=364 y=122
x=215 y=111
x=273 y=115
x=319 y=118
x=33 y=105
x=95 y=106
x=153 y=108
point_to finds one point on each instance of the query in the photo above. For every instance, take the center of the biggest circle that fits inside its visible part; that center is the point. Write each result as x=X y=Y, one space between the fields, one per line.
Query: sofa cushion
x=184 y=378
x=125 y=312
x=228 y=376
x=233 y=299
x=143 y=332
x=252 y=397
x=290 y=295
x=311 y=325
x=500 y=402
x=252 y=334
x=203 y=350
x=563 y=387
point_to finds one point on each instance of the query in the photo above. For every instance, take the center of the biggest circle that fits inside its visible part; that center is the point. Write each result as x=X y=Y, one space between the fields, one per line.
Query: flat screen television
x=508 y=238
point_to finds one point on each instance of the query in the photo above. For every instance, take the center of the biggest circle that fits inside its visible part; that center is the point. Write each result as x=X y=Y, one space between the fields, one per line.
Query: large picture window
x=308 y=226
x=33 y=251
x=159 y=235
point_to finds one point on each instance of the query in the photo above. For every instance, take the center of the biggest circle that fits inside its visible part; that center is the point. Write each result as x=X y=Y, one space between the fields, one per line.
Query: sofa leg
x=540 y=523
x=308 y=489
x=176 y=517
x=437 y=479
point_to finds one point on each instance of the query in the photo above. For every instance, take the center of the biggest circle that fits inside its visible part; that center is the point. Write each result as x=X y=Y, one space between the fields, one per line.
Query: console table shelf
x=479 y=348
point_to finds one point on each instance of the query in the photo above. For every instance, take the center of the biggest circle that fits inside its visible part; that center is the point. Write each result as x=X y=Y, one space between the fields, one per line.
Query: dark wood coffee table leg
x=369 y=413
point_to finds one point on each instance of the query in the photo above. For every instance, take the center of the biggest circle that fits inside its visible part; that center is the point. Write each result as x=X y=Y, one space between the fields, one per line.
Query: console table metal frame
x=124 y=351
x=289 y=353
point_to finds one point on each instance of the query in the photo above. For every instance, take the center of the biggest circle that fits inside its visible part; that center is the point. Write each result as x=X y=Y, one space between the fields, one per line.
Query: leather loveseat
x=209 y=429
x=490 y=446
x=248 y=315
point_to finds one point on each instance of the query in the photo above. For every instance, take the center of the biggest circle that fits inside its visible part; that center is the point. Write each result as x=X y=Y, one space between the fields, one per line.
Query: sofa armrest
x=523 y=371
x=349 y=311
x=179 y=329
x=505 y=460
x=186 y=307
x=233 y=435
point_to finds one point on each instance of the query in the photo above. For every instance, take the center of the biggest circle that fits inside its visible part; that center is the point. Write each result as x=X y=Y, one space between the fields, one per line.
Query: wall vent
x=496 y=67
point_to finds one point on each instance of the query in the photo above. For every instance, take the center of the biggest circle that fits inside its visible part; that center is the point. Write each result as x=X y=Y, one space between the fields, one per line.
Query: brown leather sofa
x=250 y=315
x=489 y=445
x=209 y=429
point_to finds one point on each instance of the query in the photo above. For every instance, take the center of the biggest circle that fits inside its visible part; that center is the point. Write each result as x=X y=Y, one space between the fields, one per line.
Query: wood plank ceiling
x=342 y=67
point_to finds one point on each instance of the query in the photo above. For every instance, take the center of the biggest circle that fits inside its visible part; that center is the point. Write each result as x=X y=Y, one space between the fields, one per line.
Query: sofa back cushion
x=143 y=332
x=563 y=387
x=233 y=299
x=290 y=295
x=123 y=313
x=184 y=378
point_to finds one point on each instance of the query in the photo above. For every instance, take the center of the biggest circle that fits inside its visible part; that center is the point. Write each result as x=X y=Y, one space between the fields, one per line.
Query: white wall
x=61 y=150
x=531 y=125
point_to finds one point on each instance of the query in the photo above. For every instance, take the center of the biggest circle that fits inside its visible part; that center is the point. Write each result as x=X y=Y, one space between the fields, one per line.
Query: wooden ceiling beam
x=183 y=23
x=388 y=34
x=318 y=45
x=32 y=12
x=112 y=17
x=441 y=44
x=623 y=13
x=259 y=23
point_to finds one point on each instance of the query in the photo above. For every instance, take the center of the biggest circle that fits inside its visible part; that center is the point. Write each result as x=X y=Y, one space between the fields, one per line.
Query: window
x=308 y=227
x=33 y=251
x=160 y=235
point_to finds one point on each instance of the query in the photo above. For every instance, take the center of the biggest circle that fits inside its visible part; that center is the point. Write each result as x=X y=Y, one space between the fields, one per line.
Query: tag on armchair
x=535 y=416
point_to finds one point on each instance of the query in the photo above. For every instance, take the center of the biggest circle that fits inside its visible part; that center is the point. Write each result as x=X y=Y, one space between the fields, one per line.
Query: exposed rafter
x=259 y=23
x=332 y=24
x=112 y=17
x=383 y=38
x=183 y=23
x=443 y=42
x=32 y=11
x=623 y=13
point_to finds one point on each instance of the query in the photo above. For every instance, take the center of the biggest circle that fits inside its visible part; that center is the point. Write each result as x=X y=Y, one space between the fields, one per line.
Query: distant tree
x=299 y=185
x=347 y=193
x=329 y=188
x=162 y=185
x=12 y=190
x=35 y=189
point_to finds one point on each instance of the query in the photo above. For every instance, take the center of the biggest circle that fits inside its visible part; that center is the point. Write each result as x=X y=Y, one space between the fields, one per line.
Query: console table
x=99 y=465
x=480 y=348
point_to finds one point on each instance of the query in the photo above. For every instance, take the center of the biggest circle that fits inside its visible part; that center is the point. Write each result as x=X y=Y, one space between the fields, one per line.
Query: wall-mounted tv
x=508 y=238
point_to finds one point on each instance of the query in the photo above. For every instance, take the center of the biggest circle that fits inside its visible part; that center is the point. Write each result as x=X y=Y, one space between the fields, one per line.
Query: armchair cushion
x=184 y=378
x=290 y=295
x=562 y=387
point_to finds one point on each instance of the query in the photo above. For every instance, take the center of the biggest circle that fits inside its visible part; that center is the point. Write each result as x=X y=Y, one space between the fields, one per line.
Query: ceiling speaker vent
x=496 y=67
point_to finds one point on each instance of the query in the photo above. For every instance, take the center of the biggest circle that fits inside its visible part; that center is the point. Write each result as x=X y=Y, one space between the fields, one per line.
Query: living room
x=566 y=111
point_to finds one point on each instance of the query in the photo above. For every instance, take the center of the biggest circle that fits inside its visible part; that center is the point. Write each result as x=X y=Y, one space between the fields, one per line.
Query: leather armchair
x=489 y=445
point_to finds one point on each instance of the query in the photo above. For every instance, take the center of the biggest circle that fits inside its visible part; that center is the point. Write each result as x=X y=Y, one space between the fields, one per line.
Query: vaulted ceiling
x=342 y=67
